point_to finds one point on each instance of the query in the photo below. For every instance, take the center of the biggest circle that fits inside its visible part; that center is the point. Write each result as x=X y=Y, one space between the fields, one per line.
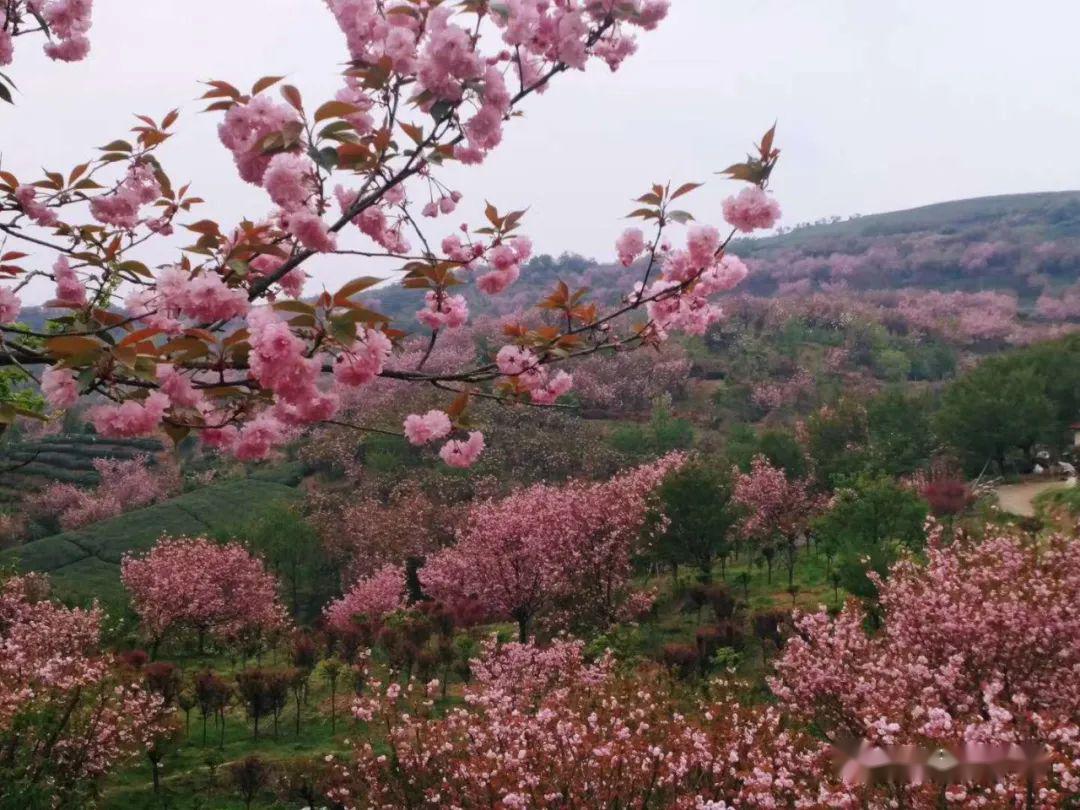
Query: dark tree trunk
x=414 y=590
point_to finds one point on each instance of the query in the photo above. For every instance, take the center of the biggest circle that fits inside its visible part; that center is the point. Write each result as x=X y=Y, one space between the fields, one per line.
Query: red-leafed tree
x=69 y=715
x=948 y=497
x=221 y=591
x=560 y=553
x=222 y=343
x=777 y=510
x=980 y=645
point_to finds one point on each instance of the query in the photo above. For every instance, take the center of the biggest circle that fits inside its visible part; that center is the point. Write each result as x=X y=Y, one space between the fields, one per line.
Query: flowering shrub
x=124 y=485
x=68 y=715
x=221 y=343
x=982 y=645
x=195 y=584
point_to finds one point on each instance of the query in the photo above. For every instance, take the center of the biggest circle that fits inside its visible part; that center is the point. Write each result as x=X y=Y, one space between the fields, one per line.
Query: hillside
x=27 y=466
x=1054 y=213
x=85 y=563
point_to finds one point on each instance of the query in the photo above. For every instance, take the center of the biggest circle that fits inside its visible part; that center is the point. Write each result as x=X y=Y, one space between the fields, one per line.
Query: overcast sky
x=881 y=105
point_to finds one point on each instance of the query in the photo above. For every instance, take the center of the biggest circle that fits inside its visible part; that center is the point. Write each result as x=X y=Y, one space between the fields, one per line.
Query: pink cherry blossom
x=121 y=207
x=246 y=126
x=496 y=281
x=69 y=289
x=123 y=485
x=365 y=361
x=54 y=666
x=702 y=241
x=130 y=418
x=10 y=305
x=430 y=427
x=26 y=196
x=310 y=231
x=563 y=554
x=257 y=439
x=979 y=645
x=73 y=49
x=288 y=180
x=442 y=310
x=194 y=583
x=207 y=298
x=59 y=387
x=630 y=245
x=751 y=209
x=514 y=360
x=179 y=388
x=463 y=454
x=559 y=384
x=374 y=597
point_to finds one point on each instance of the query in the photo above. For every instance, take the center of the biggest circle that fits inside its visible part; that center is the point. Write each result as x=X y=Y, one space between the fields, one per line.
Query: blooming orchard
x=220 y=342
x=195 y=584
x=544 y=728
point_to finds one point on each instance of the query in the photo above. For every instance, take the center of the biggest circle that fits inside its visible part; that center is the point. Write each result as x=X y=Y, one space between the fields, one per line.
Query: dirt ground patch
x=1018 y=498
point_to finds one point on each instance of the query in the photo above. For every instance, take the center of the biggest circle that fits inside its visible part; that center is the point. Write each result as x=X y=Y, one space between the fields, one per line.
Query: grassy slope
x=84 y=563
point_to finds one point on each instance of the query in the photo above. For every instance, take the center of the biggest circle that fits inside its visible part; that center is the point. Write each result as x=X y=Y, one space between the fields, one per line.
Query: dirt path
x=1017 y=498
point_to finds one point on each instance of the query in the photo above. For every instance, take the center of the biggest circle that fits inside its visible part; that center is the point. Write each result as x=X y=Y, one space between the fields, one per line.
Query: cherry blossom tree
x=221 y=343
x=776 y=511
x=366 y=532
x=980 y=645
x=372 y=597
x=560 y=553
x=68 y=714
x=195 y=584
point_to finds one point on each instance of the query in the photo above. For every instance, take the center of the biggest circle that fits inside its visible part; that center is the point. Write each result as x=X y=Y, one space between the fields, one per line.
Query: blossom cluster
x=680 y=300
x=66 y=22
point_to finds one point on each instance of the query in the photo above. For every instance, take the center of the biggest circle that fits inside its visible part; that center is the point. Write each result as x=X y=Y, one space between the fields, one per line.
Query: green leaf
x=442 y=110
